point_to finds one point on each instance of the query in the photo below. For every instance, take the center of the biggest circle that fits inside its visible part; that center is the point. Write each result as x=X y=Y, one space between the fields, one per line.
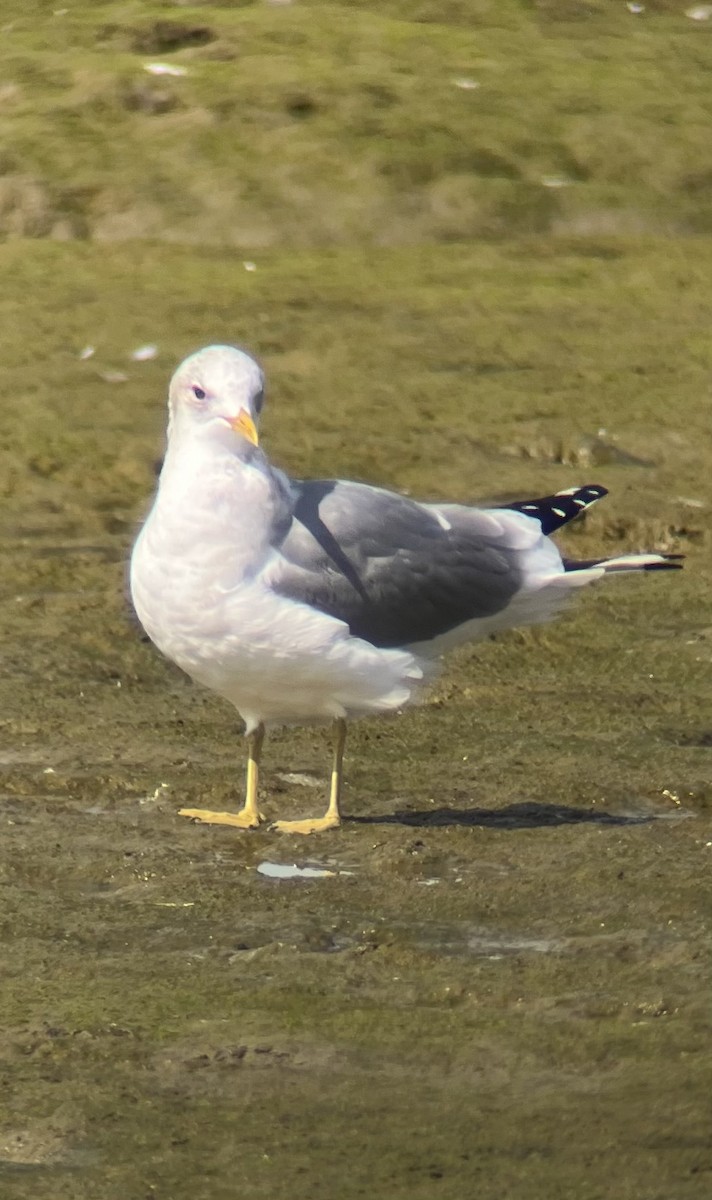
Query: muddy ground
x=502 y=990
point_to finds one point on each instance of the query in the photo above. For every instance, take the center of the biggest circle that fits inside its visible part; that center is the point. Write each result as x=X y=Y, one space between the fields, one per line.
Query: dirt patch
x=512 y=943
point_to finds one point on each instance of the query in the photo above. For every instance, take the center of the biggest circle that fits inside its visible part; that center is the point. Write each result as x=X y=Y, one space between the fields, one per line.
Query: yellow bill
x=244 y=424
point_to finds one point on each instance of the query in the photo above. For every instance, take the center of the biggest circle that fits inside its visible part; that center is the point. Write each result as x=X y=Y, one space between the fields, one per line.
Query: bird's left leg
x=332 y=816
x=249 y=816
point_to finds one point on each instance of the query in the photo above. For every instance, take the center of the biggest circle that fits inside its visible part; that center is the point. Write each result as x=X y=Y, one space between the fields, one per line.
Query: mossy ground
x=508 y=996
x=314 y=124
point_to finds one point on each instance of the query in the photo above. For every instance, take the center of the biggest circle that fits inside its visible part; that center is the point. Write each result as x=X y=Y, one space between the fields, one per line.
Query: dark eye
x=198 y=393
x=258 y=402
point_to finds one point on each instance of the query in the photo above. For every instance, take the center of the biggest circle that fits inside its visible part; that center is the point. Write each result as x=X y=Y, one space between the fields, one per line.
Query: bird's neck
x=212 y=501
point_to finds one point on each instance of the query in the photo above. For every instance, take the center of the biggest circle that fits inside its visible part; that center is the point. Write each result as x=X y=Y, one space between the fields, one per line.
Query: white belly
x=276 y=660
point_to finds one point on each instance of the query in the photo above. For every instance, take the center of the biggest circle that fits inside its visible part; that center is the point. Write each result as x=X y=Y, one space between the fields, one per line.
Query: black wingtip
x=554 y=511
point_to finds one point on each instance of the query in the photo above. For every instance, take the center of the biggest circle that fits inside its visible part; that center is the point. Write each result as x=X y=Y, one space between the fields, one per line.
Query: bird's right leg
x=249 y=816
x=332 y=816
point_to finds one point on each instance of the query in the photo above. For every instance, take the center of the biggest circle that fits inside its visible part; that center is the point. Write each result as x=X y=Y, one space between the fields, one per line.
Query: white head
x=218 y=390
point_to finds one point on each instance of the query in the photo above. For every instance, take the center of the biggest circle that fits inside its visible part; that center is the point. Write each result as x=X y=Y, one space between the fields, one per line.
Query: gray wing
x=387 y=566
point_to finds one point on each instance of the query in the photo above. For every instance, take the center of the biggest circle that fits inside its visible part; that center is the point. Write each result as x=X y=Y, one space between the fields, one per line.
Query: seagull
x=324 y=600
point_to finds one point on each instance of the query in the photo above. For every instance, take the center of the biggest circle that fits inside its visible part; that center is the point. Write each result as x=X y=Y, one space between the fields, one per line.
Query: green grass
x=435 y=316
x=171 y=1022
x=323 y=124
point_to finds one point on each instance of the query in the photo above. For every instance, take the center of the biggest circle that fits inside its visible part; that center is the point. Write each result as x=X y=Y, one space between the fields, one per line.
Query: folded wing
x=395 y=571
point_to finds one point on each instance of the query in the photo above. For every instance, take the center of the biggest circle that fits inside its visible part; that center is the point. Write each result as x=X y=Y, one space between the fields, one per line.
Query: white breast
x=199 y=585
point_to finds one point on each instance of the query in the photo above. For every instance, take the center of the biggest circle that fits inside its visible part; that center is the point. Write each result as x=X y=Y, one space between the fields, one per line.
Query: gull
x=325 y=600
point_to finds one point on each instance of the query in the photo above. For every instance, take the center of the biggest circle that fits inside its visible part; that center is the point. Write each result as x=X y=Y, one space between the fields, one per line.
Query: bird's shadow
x=513 y=816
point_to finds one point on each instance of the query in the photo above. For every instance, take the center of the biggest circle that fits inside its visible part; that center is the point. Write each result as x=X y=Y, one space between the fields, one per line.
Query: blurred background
x=470 y=242
x=298 y=124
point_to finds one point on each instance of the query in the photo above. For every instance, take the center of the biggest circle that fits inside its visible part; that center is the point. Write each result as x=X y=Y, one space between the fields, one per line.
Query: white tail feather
x=632 y=562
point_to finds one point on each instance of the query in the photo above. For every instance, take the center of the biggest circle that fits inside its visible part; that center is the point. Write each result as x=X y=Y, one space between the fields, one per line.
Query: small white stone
x=144 y=353
x=156 y=795
x=466 y=85
x=699 y=12
x=87 y=352
x=301 y=778
x=161 y=68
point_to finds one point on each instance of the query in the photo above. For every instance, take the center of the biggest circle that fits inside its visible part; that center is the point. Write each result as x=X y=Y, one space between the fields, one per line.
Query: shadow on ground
x=513 y=816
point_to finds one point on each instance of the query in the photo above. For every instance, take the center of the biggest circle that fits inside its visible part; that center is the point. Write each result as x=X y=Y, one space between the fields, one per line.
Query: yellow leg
x=332 y=816
x=249 y=816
